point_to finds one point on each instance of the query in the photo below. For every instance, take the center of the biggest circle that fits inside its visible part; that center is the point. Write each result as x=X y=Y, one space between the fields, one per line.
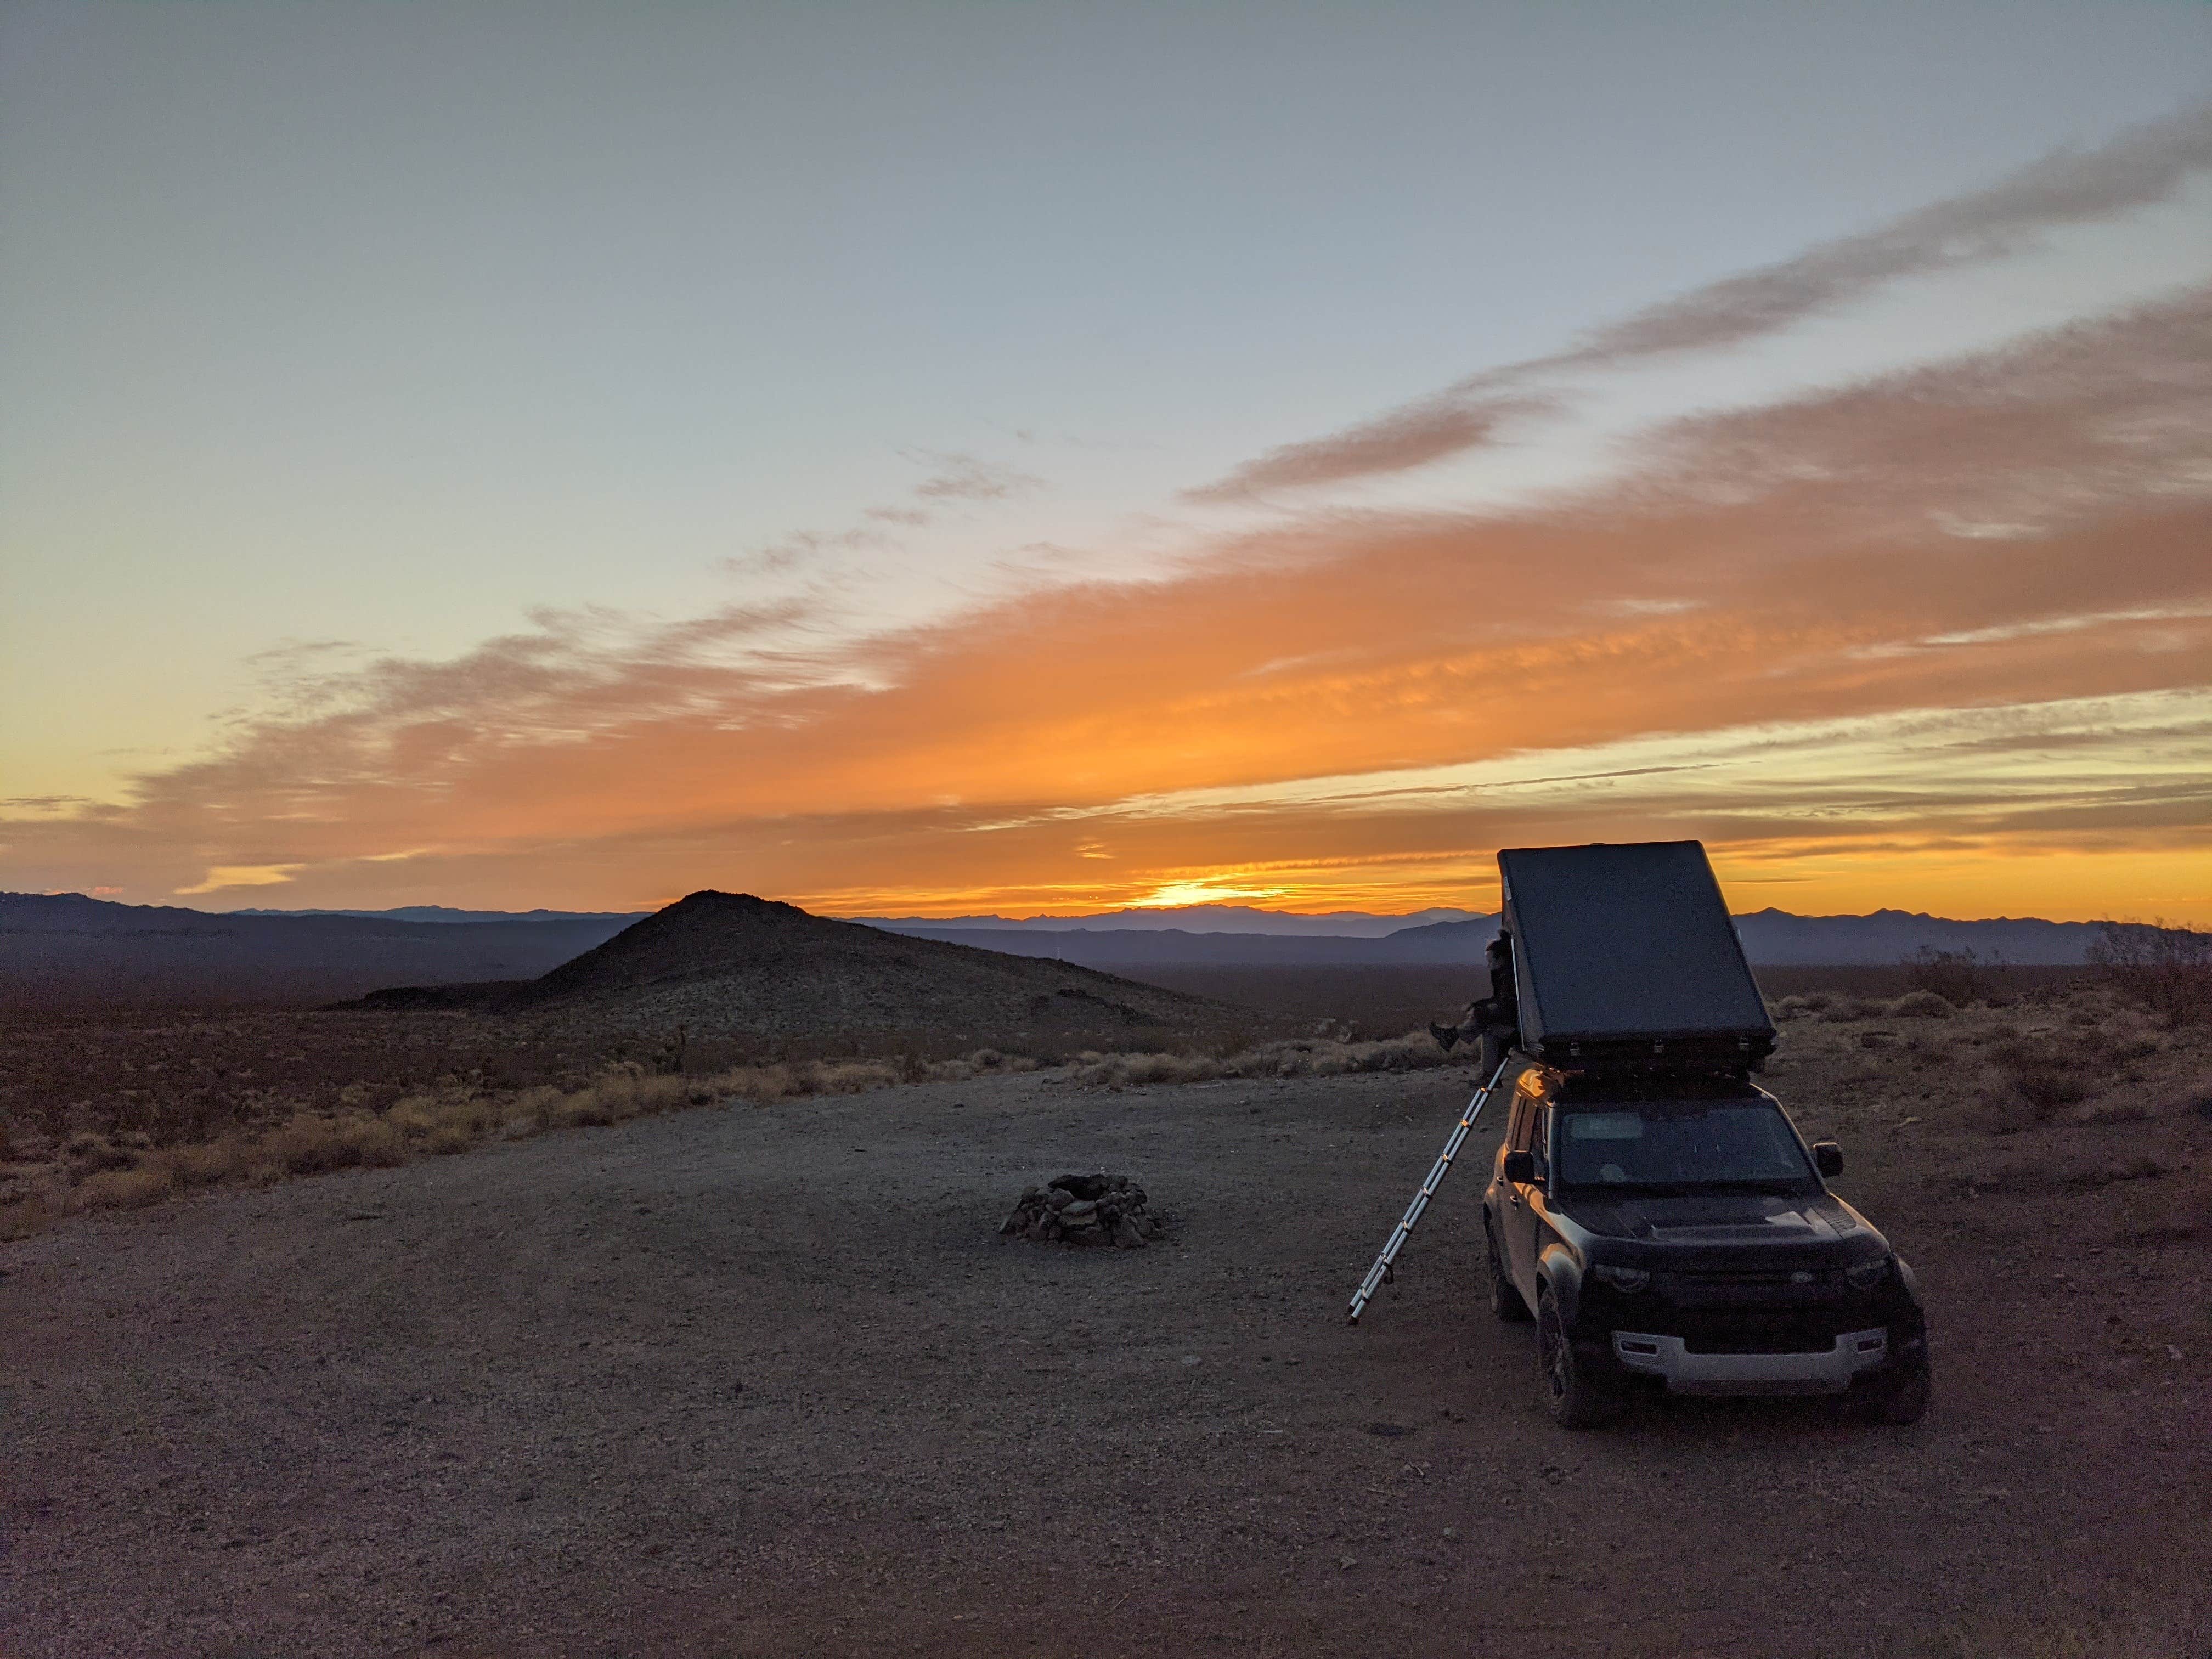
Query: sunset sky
x=932 y=459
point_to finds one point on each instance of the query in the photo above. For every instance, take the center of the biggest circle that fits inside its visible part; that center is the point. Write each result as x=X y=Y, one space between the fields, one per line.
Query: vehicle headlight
x=1626 y=1280
x=1867 y=1274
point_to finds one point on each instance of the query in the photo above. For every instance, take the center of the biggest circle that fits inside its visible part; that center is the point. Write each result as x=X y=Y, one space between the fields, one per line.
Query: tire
x=1906 y=1401
x=1572 y=1399
x=1505 y=1303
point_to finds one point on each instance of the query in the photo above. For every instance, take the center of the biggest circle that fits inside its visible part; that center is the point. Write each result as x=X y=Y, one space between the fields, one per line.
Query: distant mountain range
x=441 y=913
x=1184 y=919
x=60 y=951
x=65 y=950
x=1242 y=935
x=1770 y=939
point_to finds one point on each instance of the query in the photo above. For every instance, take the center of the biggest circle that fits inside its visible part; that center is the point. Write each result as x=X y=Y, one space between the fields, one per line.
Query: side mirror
x=1521 y=1167
x=1827 y=1157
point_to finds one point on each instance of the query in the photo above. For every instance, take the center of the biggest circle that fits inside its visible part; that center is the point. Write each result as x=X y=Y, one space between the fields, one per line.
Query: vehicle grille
x=1721 y=1335
x=1763 y=1287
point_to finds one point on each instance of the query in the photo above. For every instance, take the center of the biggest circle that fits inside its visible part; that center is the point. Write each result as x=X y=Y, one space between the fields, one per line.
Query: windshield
x=1676 y=1144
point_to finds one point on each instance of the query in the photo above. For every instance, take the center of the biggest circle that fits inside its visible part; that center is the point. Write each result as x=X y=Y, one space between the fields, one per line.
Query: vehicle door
x=1518 y=1237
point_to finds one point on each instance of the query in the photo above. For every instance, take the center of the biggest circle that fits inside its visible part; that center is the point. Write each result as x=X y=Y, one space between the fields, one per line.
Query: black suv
x=1676 y=1233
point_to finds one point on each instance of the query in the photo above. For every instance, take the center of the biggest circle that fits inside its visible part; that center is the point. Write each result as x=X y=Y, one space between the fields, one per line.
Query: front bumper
x=1829 y=1371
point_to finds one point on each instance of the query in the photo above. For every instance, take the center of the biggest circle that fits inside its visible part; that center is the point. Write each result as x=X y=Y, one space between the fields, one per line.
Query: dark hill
x=731 y=965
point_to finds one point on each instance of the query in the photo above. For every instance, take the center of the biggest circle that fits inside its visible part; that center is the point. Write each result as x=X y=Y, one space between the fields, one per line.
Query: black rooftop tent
x=1624 y=955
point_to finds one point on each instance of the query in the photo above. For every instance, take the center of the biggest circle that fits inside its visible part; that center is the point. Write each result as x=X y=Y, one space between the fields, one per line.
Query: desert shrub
x=586 y=1108
x=369 y=1141
x=447 y=1138
x=1291 y=1057
x=124 y=1190
x=2041 y=1076
x=1922 y=1004
x=2167 y=971
x=312 y=1145
x=1958 y=976
x=1797 y=1007
x=454 y=1123
x=96 y=1152
x=843 y=1077
x=1843 y=1010
x=415 y=1114
x=22 y=1218
x=1310 y=1057
x=210 y=1164
x=1132 y=1071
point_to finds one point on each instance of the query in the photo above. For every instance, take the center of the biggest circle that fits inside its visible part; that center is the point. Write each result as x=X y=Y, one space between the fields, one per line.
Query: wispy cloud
x=954 y=479
x=2070 y=187
x=962 y=477
x=2147 y=166
x=1396 y=443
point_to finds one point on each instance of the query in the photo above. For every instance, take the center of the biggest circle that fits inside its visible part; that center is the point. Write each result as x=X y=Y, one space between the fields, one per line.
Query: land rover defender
x=1652 y=1208
x=1671 y=1232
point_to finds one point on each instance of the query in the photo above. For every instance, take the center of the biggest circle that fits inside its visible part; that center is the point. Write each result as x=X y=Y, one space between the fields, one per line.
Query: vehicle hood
x=1730 y=1221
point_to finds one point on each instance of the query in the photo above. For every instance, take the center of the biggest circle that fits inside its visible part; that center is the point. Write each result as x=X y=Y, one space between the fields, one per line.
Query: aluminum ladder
x=1381 y=1274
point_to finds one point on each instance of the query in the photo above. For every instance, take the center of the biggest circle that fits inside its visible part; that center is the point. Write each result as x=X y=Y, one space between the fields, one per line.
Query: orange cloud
x=1917 y=594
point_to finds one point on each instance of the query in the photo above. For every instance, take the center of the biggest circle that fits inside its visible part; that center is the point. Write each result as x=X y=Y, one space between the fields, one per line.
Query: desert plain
x=749 y=1375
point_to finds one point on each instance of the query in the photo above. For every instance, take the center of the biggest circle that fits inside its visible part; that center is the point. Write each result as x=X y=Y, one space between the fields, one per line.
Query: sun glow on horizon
x=1226 y=889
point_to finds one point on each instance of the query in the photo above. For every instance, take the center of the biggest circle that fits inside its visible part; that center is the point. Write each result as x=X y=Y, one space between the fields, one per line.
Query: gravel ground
x=764 y=1381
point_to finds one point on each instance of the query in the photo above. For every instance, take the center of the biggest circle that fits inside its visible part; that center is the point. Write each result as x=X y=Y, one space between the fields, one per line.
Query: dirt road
x=763 y=1382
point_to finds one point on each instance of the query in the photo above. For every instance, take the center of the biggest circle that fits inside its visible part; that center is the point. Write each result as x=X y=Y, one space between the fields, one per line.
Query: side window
x=1540 y=1140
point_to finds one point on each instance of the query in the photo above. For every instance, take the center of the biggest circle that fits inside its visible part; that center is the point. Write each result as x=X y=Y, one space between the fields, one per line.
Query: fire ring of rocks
x=1086 y=1209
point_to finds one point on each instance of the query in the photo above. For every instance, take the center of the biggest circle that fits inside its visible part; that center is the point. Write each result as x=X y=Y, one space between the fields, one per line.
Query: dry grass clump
x=1416 y=1051
x=231 y=1158
x=124 y=1190
x=94 y=1171
x=316 y=1145
x=1095 y=1071
x=1292 y=1057
x=308 y=1145
x=2035 y=1076
x=1922 y=1004
x=99 y=1152
x=33 y=1213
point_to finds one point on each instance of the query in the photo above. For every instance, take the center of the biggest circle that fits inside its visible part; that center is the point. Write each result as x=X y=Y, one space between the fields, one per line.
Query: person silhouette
x=1496 y=1020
